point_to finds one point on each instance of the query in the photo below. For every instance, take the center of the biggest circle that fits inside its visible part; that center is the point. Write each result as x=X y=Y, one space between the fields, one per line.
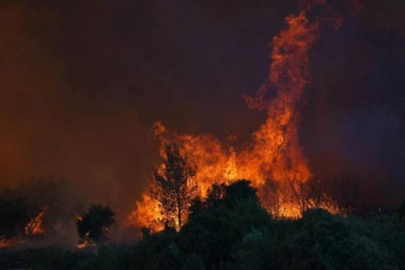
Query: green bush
x=325 y=241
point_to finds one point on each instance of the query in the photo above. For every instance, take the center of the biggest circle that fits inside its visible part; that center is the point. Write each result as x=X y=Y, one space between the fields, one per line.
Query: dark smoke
x=354 y=119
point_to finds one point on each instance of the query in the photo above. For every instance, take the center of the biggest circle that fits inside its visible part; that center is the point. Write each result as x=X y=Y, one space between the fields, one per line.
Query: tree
x=240 y=190
x=224 y=195
x=335 y=194
x=93 y=226
x=174 y=187
x=220 y=222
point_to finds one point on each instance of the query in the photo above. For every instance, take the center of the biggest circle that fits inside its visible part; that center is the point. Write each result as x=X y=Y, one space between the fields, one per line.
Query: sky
x=82 y=82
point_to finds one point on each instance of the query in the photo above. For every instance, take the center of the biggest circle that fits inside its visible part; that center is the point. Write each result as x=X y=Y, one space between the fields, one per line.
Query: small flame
x=36 y=226
x=85 y=242
x=79 y=218
x=4 y=243
x=82 y=245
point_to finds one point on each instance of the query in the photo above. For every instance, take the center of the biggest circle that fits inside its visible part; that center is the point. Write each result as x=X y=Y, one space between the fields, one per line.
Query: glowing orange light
x=274 y=154
x=36 y=226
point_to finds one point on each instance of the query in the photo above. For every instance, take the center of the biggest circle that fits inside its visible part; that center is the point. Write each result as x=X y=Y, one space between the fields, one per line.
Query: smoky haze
x=82 y=82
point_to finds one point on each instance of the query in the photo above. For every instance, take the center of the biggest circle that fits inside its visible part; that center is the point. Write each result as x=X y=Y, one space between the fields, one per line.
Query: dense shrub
x=230 y=230
x=93 y=225
x=324 y=241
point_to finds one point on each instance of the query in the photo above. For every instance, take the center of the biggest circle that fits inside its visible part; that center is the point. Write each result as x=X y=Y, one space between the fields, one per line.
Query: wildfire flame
x=5 y=243
x=85 y=243
x=79 y=218
x=274 y=155
x=36 y=226
x=147 y=213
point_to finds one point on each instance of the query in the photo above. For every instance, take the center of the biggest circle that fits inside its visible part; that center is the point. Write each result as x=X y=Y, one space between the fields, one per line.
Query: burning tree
x=174 y=187
x=273 y=159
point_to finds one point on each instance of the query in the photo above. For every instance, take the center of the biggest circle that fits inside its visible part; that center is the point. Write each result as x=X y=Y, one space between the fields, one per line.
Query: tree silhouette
x=93 y=226
x=174 y=187
x=224 y=195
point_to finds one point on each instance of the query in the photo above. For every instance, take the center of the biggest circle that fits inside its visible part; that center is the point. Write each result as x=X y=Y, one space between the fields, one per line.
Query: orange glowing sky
x=83 y=82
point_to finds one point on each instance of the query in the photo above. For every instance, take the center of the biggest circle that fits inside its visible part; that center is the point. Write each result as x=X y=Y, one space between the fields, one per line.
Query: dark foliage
x=324 y=241
x=13 y=217
x=93 y=226
x=51 y=258
x=230 y=230
x=222 y=194
x=13 y=260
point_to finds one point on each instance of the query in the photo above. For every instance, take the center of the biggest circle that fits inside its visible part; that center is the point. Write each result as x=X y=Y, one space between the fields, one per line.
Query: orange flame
x=274 y=154
x=79 y=218
x=82 y=245
x=147 y=214
x=36 y=226
x=85 y=243
x=5 y=243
